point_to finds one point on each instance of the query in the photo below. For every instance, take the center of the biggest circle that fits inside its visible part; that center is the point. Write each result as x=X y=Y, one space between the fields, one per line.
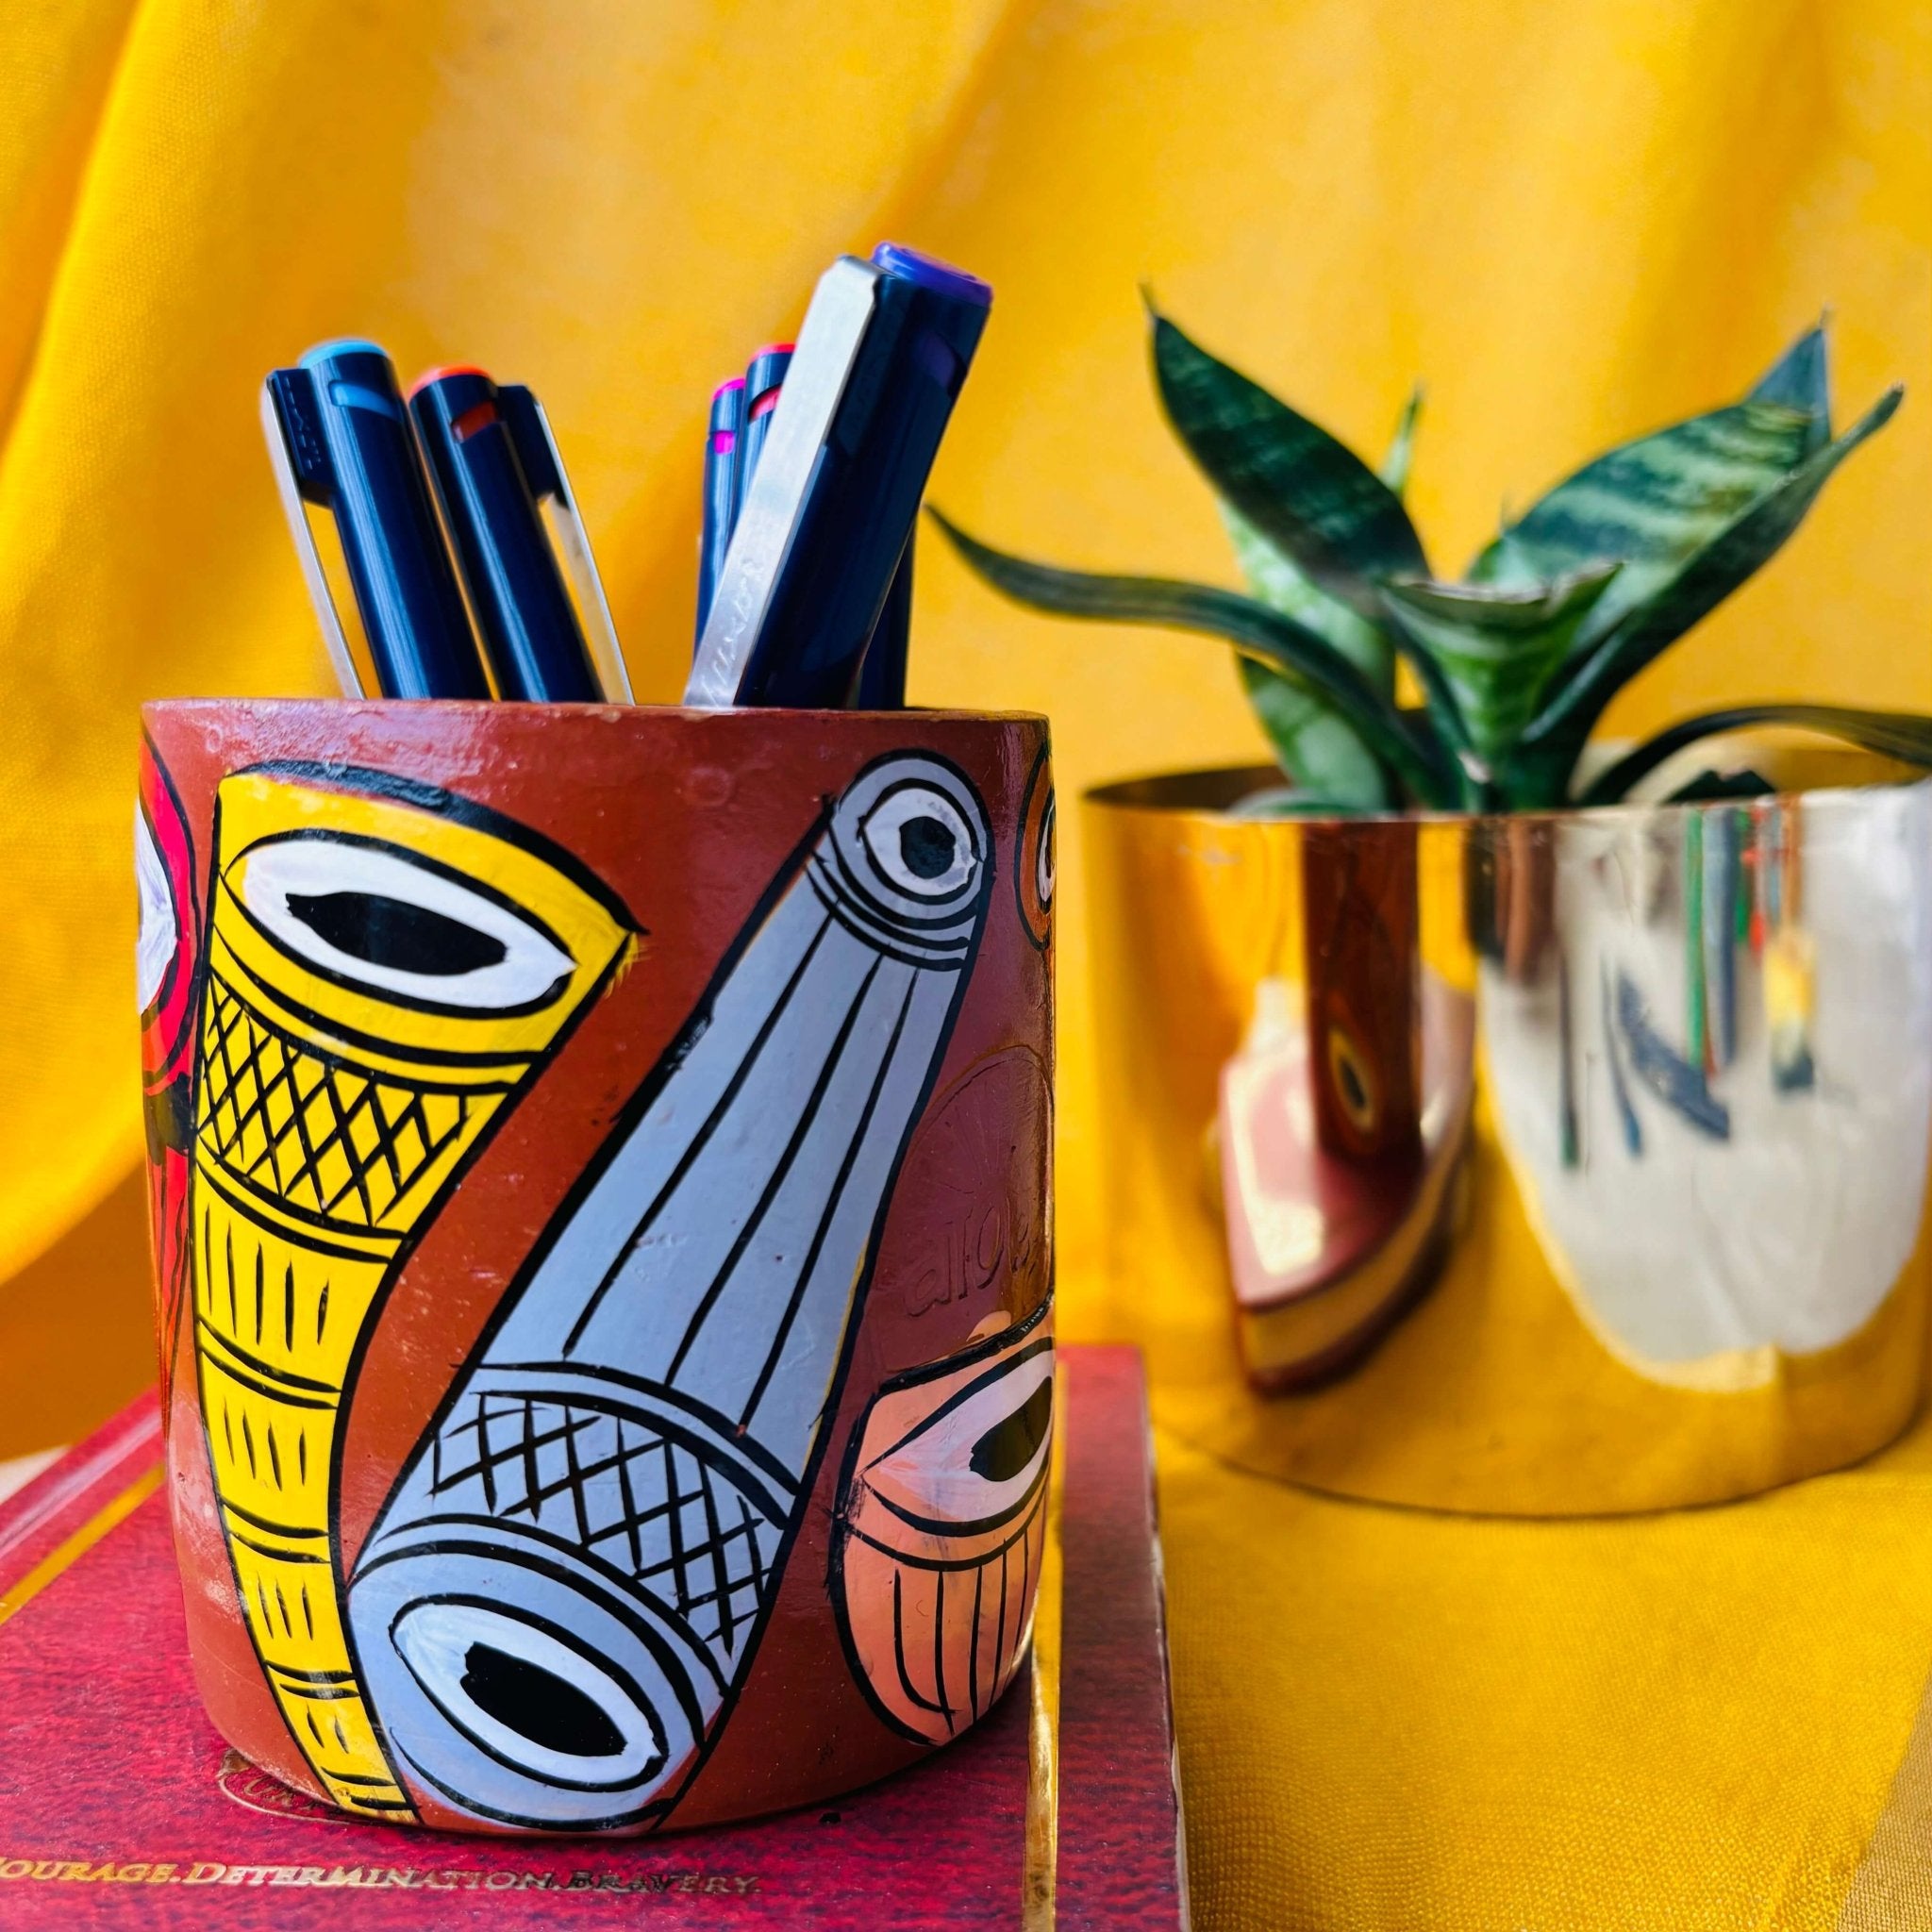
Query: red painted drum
x=601 y=1171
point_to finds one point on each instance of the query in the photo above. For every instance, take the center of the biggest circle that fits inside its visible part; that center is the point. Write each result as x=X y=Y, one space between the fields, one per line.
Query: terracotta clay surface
x=127 y=1811
x=589 y=1112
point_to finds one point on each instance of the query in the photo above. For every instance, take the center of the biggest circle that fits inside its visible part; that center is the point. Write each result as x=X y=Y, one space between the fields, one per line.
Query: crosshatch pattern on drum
x=561 y=1084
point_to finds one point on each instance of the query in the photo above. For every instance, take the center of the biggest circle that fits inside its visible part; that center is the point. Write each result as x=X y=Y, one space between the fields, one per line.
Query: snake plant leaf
x=1905 y=736
x=1394 y=466
x=1283 y=645
x=1711 y=788
x=1315 y=748
x=1506 y=562
x=1496 y=646
x=1700 y=583
x=1649 y=505
x=1280 y=583
x=1800 y=379
x=1309 y=494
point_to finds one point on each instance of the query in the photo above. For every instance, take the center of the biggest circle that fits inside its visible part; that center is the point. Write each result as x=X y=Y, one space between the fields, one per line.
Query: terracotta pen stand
x=602 y=1211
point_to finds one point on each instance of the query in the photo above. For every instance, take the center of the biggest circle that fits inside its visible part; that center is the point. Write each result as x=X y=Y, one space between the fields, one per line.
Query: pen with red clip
x=493 y=463
x=764 y=377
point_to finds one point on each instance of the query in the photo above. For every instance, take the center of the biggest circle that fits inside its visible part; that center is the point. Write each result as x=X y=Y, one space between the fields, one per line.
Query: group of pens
x=815 y=462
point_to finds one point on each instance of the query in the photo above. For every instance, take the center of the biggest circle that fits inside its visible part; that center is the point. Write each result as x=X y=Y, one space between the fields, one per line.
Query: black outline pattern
x=1024 y=1514
x=356 y=781
x=169 y=1110
x=1036 y=916
x=714 y=1473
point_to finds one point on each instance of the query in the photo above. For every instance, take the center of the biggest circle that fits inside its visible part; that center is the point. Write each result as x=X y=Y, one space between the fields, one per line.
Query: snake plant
x=1517 y=661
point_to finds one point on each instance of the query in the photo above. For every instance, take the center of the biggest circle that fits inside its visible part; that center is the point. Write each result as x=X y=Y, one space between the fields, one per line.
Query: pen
x=765 y=377
x=489 y=459
x=721 y=440
x=824 y=524
x=882 y=673
x=338 y=439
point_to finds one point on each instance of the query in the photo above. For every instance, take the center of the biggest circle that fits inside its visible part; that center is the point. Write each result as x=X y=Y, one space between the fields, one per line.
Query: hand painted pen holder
x=600 y=1167
x=1545 y=1165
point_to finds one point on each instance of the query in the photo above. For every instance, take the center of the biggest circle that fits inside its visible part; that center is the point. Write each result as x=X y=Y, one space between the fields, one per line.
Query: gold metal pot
x=1554 y=1164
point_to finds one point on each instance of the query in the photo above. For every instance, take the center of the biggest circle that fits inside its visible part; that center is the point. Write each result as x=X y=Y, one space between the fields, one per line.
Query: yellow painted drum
x=1550 y=1165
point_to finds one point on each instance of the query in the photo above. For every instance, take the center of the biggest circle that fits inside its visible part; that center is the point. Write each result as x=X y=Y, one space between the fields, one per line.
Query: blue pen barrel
x=342 y=417
x=882 y=676
x=724 y=433
x=764 y=377
x=834 y=585
x=488 y=480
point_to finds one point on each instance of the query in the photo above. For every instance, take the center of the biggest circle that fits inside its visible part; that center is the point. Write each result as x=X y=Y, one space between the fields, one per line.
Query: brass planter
x=1549 y=1165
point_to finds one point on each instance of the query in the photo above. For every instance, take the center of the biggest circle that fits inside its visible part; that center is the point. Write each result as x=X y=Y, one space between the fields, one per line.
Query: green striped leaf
x=1649 y=505
x=1393 y=468
x=1312 y=497
x=1279 y=643
x=1902 y=735
x=1700 y=583
x=1800 y=379
x=1315 y=747
x=1276 y=579
x=1496 y=646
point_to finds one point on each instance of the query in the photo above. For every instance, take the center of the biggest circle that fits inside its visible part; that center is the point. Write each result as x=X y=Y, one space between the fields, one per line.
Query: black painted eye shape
x=1014 y=1440
x=920 y=845
x=529 y=1694
x=393 y=933
x=1353 y=1079
x=927 y=847
x=525 y=1698
x=381 y=919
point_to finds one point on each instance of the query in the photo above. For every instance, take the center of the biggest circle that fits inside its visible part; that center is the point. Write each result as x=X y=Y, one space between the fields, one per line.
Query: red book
x=120 y=1807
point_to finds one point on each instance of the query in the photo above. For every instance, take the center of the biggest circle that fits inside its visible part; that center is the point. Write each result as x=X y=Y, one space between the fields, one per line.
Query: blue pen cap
x=344 y=345
x=353 y=451
x=354 y=372
x=727 y=408
x=930 y=272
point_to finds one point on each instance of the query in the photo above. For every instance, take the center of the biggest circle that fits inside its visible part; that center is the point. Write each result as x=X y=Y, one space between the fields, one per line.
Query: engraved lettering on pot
x=972 y=1212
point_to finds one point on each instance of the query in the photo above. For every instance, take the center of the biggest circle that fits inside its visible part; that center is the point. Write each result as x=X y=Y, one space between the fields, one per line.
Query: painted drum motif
x=941 y=1527
x=538 y=1182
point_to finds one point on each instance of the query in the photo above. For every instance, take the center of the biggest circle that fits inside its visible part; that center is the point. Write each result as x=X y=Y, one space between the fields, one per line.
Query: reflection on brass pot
x=1543 y=1165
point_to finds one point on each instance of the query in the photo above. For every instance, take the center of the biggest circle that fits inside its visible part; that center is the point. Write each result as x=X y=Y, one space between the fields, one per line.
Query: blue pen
x=765 y=377
x=489 y=463
x=882 y=675
x=824 y=524
x=723 y=438
x=340 y=439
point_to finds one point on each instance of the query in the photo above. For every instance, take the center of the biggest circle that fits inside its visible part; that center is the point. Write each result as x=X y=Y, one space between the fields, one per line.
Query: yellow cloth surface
x=1687 y=1722
x=1574 y=221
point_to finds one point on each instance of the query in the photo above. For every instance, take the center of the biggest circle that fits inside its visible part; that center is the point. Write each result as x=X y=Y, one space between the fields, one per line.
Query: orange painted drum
x=601 y=1172
x=1545 y=1165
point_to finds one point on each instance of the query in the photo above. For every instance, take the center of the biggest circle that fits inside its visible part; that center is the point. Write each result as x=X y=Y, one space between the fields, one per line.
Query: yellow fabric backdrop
x=1573 y=220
